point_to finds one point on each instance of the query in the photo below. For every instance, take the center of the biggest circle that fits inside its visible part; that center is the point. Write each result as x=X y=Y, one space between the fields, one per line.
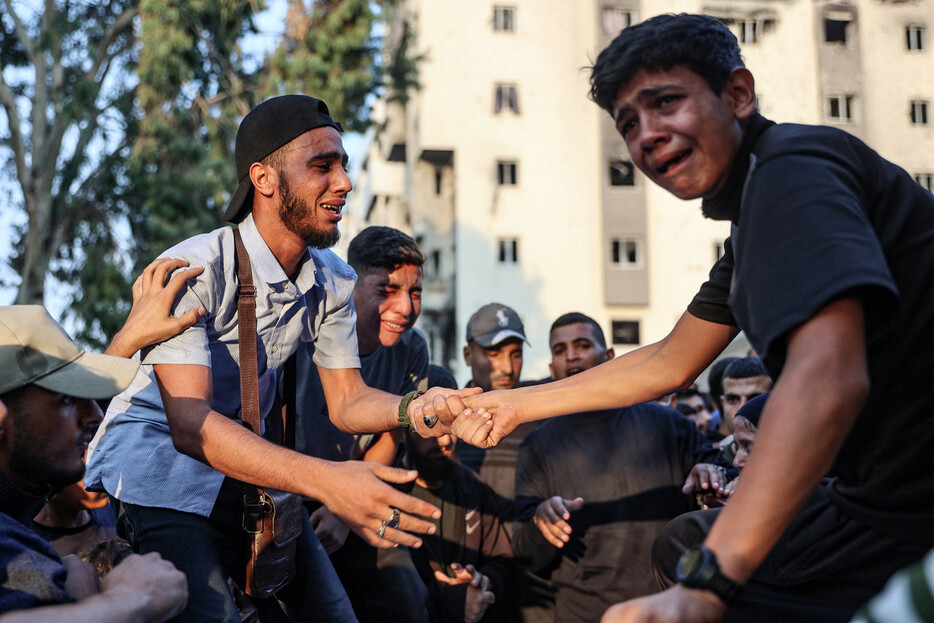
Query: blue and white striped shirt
x=132 y=456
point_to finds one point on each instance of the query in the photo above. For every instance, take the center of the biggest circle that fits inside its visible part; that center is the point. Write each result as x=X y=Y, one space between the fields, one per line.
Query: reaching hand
x=151 y=320
x=551 y=518
x=164 y=587
x=472 y=428
x=355 y=492
x=331 y=531
x=705 y=477
x=676 y=605
x=479 y=595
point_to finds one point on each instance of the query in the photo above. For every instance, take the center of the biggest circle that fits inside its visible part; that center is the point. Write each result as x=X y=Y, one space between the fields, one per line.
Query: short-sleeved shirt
x=398 y=369
x=818 y=216
x=132 y=457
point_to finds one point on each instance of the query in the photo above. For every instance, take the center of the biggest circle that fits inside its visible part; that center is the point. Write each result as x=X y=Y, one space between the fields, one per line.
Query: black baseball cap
x=265 y=129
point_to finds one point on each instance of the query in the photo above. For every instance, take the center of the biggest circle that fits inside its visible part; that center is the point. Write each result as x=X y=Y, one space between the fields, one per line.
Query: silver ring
x=430 y=420
x=392 y=522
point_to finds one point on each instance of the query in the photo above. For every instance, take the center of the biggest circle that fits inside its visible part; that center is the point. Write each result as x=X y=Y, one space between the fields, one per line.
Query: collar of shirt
x=725 y=205
x=266 y=267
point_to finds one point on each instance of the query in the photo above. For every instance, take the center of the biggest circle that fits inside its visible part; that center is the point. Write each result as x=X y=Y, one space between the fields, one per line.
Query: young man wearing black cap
x=171 y=449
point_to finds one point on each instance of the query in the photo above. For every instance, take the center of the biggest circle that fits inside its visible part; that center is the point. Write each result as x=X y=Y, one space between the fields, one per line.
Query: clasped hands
x=480 y=419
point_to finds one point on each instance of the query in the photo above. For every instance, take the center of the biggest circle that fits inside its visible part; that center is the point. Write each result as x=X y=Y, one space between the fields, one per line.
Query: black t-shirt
x=819 y=216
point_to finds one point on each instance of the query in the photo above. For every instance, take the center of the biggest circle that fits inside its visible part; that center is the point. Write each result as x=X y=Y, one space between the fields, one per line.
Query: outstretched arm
x=151 y=318
x=638 y=376
x=355 y=407
x=354 y=491
x=141 y=589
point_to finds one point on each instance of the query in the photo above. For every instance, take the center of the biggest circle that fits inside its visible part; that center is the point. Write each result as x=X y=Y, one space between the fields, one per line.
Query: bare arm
x=635 y=377
x=352 y=490
x=151 y=319
x=141 y=589
x=355 y=407
x=812 y=408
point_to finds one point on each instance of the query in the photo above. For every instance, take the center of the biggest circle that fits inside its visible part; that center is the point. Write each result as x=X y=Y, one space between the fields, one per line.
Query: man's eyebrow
x=642 y=95
x=329 y=155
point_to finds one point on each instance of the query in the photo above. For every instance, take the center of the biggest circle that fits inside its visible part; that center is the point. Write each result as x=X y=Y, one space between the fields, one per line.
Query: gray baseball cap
x=493 y=323
x=35 y=349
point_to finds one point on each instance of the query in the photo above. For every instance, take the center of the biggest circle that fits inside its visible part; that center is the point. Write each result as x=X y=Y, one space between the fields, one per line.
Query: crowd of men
x=428 y=503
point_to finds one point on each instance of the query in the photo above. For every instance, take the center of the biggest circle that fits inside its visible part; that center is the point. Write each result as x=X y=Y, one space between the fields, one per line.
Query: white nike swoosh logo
x=470 y=529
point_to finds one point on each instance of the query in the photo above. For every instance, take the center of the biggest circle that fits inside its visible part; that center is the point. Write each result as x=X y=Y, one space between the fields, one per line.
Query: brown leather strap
x=246 y=321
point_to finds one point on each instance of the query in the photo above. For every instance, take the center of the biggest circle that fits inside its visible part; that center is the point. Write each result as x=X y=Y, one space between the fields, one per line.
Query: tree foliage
x=121 y=119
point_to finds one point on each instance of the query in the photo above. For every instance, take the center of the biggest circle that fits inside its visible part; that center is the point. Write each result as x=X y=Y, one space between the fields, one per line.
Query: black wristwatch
x=698 y=568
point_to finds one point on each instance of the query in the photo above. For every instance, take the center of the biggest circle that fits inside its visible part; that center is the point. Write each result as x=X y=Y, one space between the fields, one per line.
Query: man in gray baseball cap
x=494 y=347
x=173 y=451
x=48 y=414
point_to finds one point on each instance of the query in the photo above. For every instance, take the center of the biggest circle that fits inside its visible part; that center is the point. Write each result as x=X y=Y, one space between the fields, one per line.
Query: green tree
x=121 y=117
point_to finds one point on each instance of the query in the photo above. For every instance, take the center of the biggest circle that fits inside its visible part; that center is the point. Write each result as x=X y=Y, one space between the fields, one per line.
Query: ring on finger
x=392 y=522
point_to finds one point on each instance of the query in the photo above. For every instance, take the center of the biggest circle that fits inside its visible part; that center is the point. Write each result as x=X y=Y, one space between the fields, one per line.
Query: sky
x=270 y=24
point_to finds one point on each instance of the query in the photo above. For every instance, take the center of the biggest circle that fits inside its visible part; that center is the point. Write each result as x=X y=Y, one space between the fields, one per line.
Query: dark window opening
x=625 y=331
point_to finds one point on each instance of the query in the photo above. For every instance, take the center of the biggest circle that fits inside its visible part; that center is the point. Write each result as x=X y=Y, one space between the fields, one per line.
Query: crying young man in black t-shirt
x=829 y=270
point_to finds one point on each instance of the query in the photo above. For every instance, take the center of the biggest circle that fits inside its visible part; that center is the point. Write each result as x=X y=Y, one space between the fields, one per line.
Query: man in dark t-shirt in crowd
x=829 y=270
x=594 y=489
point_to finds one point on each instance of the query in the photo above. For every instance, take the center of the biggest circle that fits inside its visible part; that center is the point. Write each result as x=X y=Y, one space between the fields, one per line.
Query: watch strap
x=707 y=575
x=404 y=421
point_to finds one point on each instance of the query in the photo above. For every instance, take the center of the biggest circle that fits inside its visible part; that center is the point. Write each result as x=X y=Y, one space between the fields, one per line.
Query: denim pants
x=208 y=551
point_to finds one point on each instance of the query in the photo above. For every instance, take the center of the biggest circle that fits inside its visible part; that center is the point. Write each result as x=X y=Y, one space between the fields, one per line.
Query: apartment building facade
x=519 y=190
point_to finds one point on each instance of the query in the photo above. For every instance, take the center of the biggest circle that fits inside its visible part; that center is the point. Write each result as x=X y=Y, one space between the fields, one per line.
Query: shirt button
x=275 y=349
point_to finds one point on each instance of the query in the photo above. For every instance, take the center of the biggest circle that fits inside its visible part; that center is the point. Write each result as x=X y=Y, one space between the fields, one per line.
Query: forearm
x=365 y=410
x=353 y=406
x=805 y=421
x=237 y=452
x=122 y=607
x=638 y=376
x=123 y=345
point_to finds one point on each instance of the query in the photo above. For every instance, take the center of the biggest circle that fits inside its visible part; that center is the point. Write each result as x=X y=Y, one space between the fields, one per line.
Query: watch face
x=689 y=563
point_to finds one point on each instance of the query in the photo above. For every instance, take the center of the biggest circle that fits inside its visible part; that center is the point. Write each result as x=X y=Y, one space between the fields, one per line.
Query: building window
x=622 y=173
x=626 y=253
x=919 y=112
x=915 y=37
x=751 y=30
x=840 y=108
x=439 y=177
x=614 y=19
x=506 y=97
x=433 y=266
x=835 y=30
x=926 y=180
x=507 y=173
x=504 y=19
x=508 y=251
x=625 y=331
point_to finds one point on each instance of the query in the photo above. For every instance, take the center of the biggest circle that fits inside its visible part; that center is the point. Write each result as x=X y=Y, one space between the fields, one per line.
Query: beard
x=296 y=216
x=30 y=461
